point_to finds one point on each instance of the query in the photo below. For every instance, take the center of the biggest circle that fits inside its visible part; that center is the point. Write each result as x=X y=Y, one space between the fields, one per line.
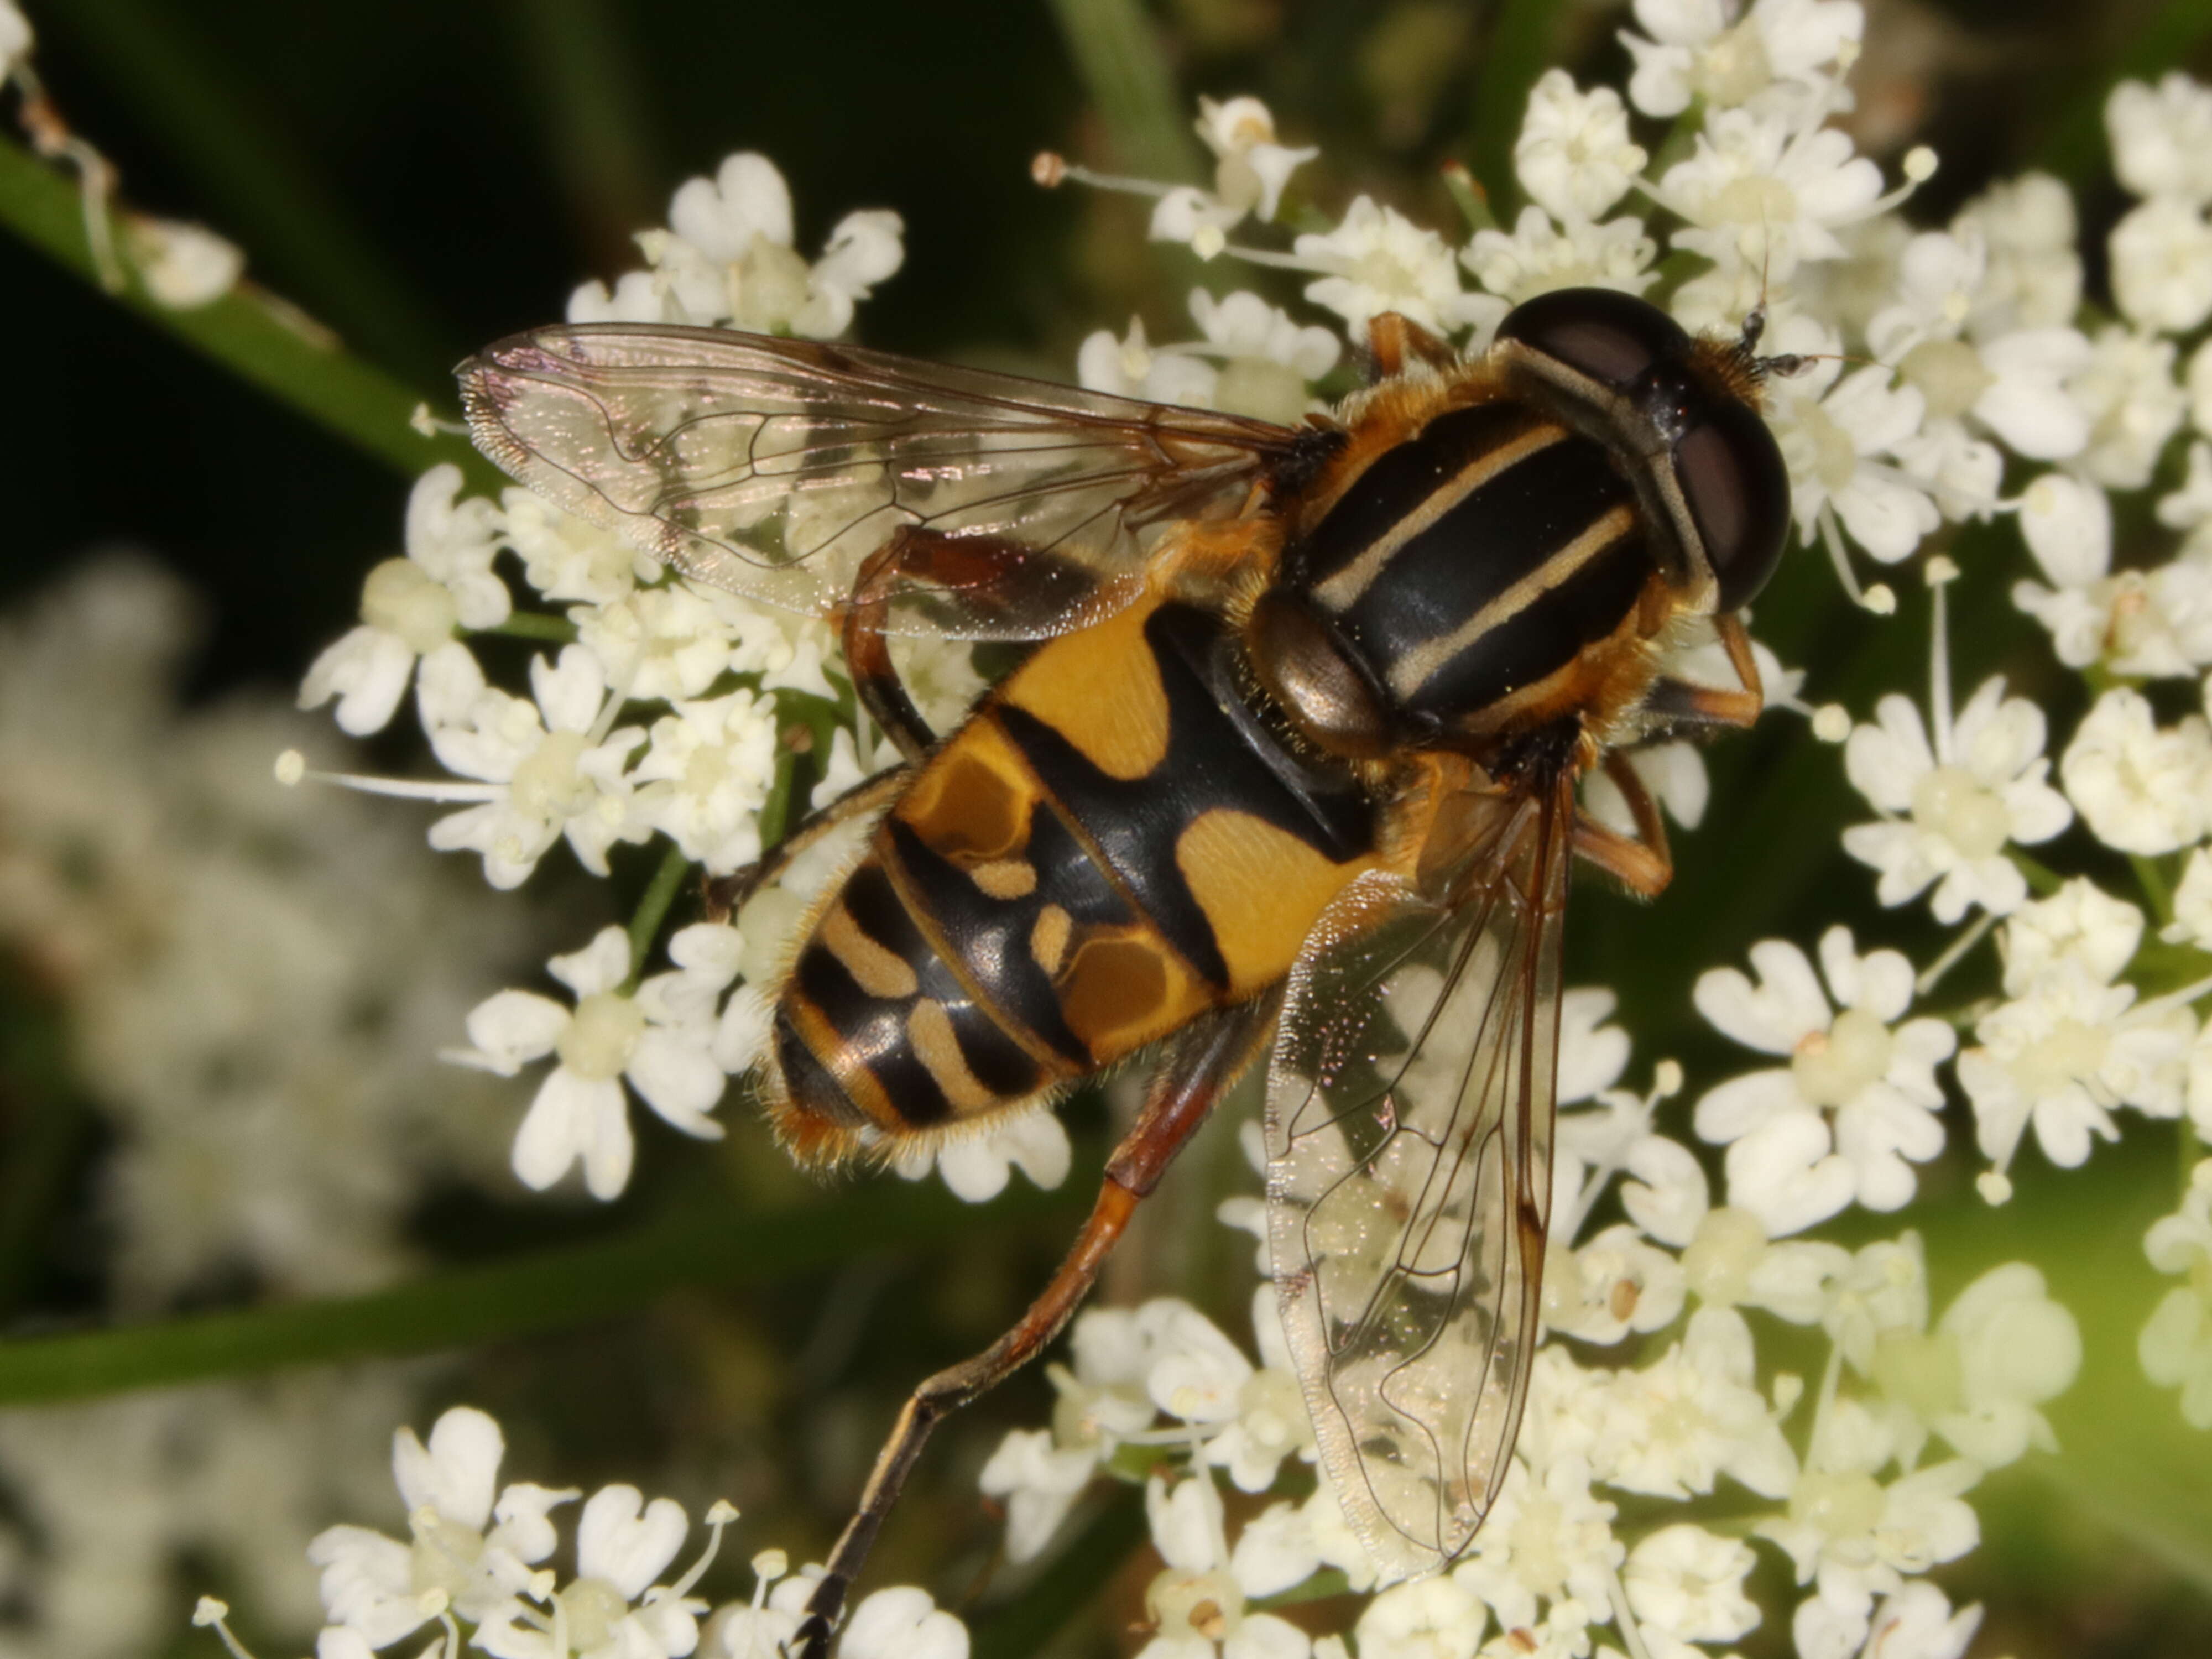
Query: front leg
x=1642 y=862
x=1673 y=703
x=943 y=560
x=1393 y=342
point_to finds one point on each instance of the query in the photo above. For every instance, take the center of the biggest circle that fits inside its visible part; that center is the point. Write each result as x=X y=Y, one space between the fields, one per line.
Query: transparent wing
x=1409 y=1133
x=774 y=467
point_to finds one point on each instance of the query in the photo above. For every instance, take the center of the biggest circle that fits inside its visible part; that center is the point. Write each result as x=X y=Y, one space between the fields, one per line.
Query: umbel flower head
x=1733 y=1423
x=474 y=1569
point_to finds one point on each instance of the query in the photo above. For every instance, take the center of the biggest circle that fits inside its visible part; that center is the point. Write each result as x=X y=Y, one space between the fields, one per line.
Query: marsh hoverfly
x=1287 y=777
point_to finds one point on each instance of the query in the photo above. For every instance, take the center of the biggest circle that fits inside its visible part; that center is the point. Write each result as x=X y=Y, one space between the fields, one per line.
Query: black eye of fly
x=1732 y=475
x=1615 y=338
x=1725 y=460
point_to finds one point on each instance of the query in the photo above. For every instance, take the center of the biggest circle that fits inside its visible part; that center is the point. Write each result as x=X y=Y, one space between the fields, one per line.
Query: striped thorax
x=1528 y=523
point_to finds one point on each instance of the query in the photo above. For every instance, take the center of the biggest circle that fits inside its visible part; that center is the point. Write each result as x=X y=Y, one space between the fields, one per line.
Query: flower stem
x=1624 y=1616
x=776 y=809
x=710 y=1242
x=255 y=335
x=1117 y=56
x=1515 y=52
x=653 y=910
x=1467 y=196
x=2156 y=889
x=593 y=101
x=535 y=625
x=214 y=124
x=1969 y=937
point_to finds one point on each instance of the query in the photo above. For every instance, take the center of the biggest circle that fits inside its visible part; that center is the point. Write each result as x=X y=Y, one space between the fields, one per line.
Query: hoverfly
x=1289 y=775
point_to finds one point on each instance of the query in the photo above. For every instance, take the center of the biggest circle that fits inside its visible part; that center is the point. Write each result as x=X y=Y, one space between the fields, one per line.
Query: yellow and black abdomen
x=1113 y=845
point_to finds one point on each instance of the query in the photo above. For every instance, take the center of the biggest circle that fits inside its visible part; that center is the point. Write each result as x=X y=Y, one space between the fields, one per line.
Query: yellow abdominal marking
x=878 y=971
x=1005 y=878
x=1049 y=937
x=1261 y=889
x=929 y=1028
x=1100 y=689
x=973 y=801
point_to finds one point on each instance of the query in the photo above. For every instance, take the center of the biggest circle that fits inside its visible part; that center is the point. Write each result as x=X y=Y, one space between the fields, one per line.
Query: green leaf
x=255 y=336
x=709 y=1243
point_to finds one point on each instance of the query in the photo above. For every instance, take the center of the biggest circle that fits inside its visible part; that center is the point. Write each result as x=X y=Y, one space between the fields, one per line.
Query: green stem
x=2156 y=889
x=209 y=119
x=653 y=910
x=819 y=715
x=255 y=337
x=1026 y=1625
x=1117 y=57
x=775 y=810
x=2040 y=876
x=1516 y=52
x=1467 y=196
x=595 y=107
x=1328 y=1583
x=707 y=1244
x=535 y=625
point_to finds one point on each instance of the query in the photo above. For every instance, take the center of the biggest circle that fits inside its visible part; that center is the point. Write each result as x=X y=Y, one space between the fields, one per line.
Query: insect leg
x=987 y=573
x=910 y=550
x=1205 y=1062
x=1641 y=862
x=1679 y=702
x=727 y=894
x=1393 y=340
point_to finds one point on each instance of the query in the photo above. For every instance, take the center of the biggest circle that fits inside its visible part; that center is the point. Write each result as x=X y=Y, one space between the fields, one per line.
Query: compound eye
x=1612 y=337
x=1732 y=477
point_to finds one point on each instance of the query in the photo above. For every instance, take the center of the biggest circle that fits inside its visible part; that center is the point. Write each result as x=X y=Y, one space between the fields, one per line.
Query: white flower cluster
x=247 y=985
x=1839 y=1475
x=117 y=1505
x=247 y=980
x=473 y=1566
x=675 y=711
x=670 y=709
x=2176 y=1348
x=727 y=260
